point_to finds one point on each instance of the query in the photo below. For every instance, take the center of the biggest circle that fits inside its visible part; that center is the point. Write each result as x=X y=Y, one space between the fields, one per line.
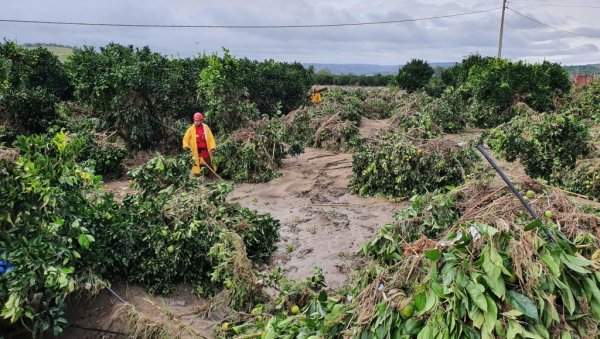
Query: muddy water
x=321 y=223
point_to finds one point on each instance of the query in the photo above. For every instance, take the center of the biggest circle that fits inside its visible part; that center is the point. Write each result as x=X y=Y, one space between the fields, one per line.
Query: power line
x=530 y=4
x=555 y=28
x=247 y=26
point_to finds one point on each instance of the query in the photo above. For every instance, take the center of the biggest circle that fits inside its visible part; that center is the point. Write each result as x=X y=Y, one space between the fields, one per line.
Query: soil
x=322 y=224
x=172 y=311
x=369 y=128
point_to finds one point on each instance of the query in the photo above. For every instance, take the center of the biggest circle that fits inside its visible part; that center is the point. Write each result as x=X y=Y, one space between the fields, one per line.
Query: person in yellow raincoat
x=200 y=141
x=315 y=97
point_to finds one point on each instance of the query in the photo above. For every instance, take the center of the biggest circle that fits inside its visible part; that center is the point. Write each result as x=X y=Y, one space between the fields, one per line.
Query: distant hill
x=367 y=69
x=61 y=51
x=592 y=69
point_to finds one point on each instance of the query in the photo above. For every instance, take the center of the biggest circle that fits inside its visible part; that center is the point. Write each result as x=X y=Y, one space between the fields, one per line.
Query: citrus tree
x=225 y=98
x=414 y=75
x=32 y=82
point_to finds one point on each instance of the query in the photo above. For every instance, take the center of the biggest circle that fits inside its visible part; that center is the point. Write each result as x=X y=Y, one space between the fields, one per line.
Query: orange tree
x=414 y=75
x=125 y=87
x=32 y=82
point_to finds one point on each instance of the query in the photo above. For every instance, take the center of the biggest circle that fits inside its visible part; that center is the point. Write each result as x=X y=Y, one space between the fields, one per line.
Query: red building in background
x=582 y=80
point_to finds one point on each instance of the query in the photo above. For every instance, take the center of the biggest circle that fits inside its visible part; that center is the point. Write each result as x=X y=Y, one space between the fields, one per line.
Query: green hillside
x=593 y=69
x=62 y=52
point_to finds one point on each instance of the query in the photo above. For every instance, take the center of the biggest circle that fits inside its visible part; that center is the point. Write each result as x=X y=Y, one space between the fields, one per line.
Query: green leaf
x=535 y=224
x=490 y=316
x=431 y=301
x=420 y=301
x=159 y=165
x=566 y=335
x=514 y=329
x=522 y=303
x=512 y=314
x=590 y=286
x=496 y=285
x=323 y=296
x=541 y=331
x=550 y=263
x=477 y=296
x=477 y=317
x=488 y=229
x=426 y=332
x=567 y=297
x=433 y=255
x=84 y=241
x=575 y=264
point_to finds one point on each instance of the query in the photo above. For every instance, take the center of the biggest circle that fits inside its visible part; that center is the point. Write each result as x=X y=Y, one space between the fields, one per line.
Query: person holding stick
x=200 y=141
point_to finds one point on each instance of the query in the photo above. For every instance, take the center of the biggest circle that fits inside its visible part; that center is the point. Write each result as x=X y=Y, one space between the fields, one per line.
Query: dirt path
x=370 y=128
x=321 y=223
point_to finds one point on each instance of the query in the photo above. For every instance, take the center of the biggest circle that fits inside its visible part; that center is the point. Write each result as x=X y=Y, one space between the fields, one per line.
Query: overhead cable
x=531 y=4
x=247 y=26
x=555 y=28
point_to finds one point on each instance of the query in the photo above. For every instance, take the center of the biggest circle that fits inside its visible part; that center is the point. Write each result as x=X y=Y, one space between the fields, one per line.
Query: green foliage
x=397 y=167
x=425 y=116
x=435 y=87
x=181 y=89
x=48 y=203
x=319 y=127
x=429 y=215
x=318 y=314
x=59 y=231
x=125 y=87
x=543 y=143
x=584 y=179
x=140 y=93
x=32 y=81
x=471 y=285
x=226 y=99
x=275 y=86
x=583 y=102
x=106 y=161
x=32 y=110
x=458 y=74
x=191 y=220
x=234 y=271
x=377 y=108
x=354 y=103
x=161 y=172
x=500 y=83
x=414 y=75
x=252 y=154
x=479 y=281
x=33 y=68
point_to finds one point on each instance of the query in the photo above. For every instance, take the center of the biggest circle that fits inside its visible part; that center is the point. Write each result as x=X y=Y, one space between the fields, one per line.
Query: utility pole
x=501 y=30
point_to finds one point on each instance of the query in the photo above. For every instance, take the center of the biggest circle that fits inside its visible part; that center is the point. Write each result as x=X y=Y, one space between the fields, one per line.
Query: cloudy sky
x=440 y=40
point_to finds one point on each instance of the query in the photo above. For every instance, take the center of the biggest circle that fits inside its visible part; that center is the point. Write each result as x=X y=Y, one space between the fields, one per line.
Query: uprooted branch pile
x=308 y=127
x=423 y=116
x=253 y=153
x=399 y=167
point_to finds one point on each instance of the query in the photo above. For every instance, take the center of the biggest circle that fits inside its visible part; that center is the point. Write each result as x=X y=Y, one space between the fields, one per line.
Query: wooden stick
x=213 y=172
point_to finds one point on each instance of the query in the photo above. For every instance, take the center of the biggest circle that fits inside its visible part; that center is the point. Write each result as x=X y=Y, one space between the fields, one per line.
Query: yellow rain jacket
x=189 y=141
x=315 y=98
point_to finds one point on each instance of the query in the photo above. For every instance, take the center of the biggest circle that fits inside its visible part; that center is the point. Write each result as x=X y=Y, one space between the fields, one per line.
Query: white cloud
x=447 y=39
